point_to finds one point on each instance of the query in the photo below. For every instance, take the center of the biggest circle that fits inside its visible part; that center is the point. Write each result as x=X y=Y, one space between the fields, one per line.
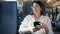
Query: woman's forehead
x=35 y=4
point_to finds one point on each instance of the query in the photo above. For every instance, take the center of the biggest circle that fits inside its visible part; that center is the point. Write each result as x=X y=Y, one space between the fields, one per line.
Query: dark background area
x=8 y=17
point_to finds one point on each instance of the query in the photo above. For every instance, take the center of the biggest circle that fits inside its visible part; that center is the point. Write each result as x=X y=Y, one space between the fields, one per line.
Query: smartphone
x=36 y=23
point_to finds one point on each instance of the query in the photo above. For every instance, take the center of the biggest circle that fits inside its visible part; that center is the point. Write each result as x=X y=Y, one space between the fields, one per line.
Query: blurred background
x=12 y=12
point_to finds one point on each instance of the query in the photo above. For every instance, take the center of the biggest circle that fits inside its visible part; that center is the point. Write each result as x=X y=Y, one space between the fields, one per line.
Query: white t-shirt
x=28 y=24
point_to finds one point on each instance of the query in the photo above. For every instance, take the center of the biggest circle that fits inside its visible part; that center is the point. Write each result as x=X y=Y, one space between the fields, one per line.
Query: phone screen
x=36 y=23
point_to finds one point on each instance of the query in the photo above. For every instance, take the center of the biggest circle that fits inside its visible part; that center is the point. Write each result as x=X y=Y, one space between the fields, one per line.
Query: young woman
x=36 y=16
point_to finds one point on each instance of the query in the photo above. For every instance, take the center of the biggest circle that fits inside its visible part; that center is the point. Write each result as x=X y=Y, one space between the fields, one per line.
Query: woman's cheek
x=34 y=12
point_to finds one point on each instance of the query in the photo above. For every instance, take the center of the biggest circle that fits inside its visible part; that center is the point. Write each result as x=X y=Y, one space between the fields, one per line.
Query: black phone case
x=36 y=23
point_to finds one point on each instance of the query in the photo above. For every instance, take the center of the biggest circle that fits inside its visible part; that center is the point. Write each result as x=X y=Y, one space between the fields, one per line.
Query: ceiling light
x=48 y=1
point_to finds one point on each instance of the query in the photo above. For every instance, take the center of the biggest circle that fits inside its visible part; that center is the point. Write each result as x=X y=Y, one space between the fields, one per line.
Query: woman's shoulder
x=46 y=17
x=28 y=16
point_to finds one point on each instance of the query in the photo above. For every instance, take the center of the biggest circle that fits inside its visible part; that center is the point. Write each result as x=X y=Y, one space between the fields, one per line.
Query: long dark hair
x=42 y=6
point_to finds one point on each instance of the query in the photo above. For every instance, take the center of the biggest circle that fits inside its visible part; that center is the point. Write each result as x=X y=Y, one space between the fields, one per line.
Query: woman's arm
x=48 y=24
x=24 y=25
x=45 y=27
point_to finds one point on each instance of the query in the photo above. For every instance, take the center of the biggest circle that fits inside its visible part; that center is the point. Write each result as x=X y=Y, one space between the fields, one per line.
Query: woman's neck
x=37 y=17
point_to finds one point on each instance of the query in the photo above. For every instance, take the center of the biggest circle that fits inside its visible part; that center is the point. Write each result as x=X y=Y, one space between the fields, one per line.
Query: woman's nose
x=35 y=7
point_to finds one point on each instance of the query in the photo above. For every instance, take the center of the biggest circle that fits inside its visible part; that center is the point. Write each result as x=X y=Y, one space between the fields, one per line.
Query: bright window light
x=11 y=0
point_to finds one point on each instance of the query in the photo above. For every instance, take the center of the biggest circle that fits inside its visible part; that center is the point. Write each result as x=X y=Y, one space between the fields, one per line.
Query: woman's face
x=36 y=8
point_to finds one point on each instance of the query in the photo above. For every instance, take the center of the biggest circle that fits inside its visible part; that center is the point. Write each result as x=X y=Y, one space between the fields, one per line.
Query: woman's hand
x=38 y=27
x=45 y=27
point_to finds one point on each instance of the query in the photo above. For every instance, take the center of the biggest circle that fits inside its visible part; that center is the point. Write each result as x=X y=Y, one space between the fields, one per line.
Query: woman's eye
x=37 y=5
